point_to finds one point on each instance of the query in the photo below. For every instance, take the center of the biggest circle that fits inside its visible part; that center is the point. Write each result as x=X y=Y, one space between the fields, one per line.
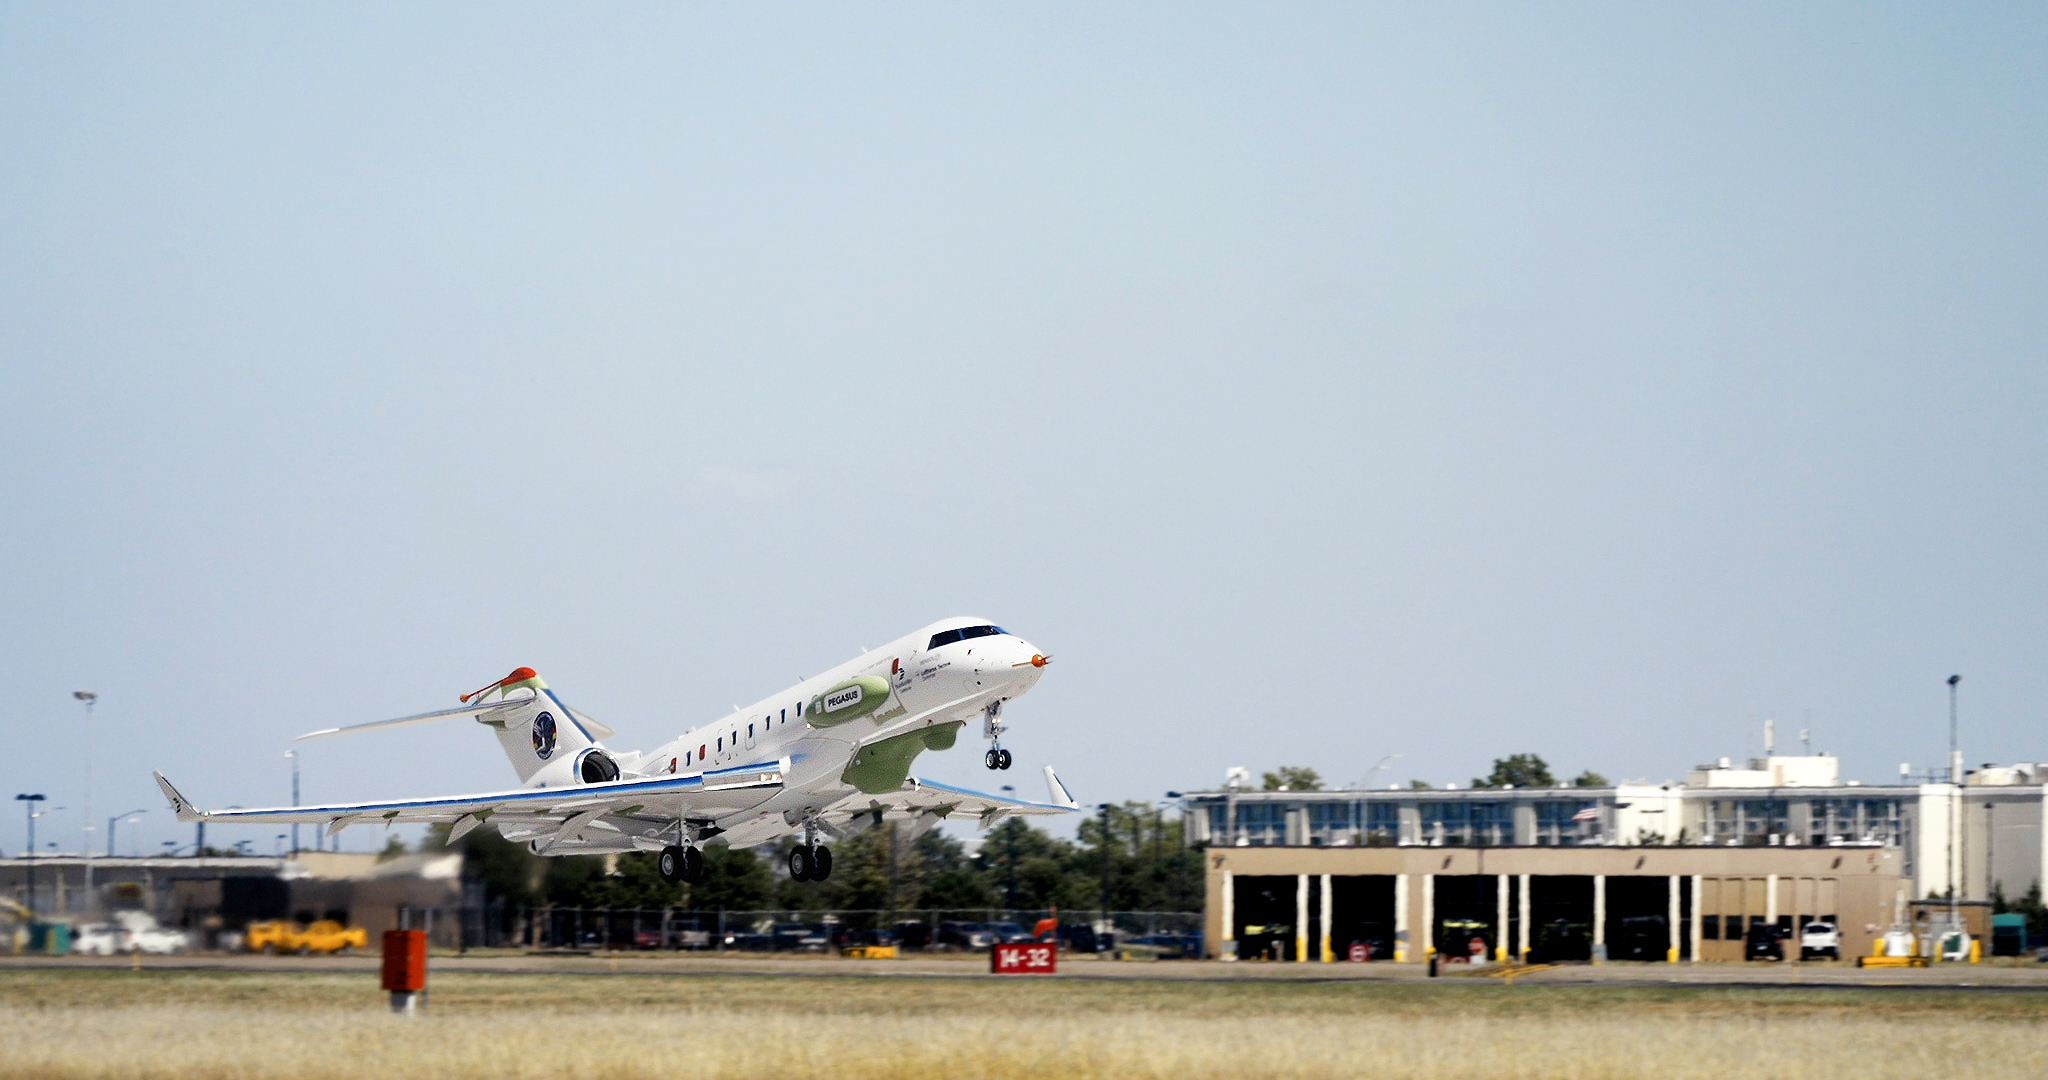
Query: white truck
x=1820 y=939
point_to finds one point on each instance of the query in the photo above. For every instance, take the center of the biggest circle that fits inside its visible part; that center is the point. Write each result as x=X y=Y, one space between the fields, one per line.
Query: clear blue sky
x=1316 y=382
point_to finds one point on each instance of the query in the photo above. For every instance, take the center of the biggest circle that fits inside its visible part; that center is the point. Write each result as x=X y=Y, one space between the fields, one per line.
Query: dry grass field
x=114 y=1024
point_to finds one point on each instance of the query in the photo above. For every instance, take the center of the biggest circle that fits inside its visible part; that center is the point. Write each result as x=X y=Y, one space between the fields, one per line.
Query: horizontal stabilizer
x=422 y=718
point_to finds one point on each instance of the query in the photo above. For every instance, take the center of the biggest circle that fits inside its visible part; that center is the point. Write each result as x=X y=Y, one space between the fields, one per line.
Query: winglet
x=1058 y=791
x=179 y=805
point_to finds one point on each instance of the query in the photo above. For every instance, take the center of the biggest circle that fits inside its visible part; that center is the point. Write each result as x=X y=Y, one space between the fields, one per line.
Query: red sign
x=1030 y=958
x=1360 y=952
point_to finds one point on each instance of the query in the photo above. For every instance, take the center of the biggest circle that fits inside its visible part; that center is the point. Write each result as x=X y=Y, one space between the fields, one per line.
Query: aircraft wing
x=638 y=812
x=928 y=801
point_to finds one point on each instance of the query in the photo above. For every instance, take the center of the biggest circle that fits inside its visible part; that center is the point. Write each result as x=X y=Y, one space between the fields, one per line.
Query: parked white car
x=99 y=939
x=1820 y=939
x=145 y=936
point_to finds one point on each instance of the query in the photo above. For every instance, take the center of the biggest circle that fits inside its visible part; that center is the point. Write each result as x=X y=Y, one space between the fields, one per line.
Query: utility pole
x=89 y=698
x=28 y=804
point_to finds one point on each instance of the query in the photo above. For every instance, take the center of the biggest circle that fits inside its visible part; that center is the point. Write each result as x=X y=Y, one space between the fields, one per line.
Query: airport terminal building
x=1672 y=871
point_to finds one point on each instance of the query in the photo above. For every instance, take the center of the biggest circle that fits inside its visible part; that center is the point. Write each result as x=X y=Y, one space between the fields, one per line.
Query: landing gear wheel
x=799 y=863
x=1002 y=759
x=991 y=758
x=821 y=863
x=693 y=866
x=674 y=863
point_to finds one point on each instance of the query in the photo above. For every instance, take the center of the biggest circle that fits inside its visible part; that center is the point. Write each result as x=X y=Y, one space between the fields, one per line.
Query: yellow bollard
x=1976 y=950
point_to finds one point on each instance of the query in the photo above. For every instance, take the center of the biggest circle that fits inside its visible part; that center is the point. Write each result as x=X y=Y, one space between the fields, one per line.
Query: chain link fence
x=504 y=926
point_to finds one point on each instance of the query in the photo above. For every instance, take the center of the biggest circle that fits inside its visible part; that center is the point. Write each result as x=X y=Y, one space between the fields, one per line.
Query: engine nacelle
x=595 y=766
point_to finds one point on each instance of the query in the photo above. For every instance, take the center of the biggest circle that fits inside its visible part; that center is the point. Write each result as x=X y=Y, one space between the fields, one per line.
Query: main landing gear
x=681 y=865
x=992 y=730
x=810 y=862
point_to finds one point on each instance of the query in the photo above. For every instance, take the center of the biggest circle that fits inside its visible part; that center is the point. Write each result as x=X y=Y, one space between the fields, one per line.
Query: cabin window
x=721 y=744
x=750 y=731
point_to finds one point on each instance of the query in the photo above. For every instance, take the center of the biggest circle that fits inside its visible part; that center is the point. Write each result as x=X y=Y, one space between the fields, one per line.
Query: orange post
x=405 y=968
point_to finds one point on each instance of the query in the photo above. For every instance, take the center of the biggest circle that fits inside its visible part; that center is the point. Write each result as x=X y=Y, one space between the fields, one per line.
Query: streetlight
x=1366 y=781
x=293 y=756
x=89 y=698
x=1955 y=823
x=28 y=805
x=132 y=816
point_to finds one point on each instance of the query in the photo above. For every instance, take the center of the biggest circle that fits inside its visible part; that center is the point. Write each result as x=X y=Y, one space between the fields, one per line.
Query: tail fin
x=548 y=743
x=544 y=739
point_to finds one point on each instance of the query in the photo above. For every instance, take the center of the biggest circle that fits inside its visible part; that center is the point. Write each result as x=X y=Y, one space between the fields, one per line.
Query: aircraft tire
x=1002 y=759
x=693 y=866
x=989 y=759
x=821 y=863
x=674 y=864
x=799 y=863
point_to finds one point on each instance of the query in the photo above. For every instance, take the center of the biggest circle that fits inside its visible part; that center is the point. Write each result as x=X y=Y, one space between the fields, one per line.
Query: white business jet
x=830 y=755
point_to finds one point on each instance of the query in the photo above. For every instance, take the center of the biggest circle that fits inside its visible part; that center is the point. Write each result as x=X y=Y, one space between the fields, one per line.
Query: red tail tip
x=519 y=675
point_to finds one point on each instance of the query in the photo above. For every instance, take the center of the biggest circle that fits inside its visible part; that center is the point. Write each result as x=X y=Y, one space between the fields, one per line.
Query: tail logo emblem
x=543 y=735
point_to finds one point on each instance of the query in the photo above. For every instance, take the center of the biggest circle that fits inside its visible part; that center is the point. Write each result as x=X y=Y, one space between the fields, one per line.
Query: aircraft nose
x=1026 y=658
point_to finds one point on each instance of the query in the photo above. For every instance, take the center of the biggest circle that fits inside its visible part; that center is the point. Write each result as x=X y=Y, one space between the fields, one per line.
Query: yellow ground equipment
x=324 y=936
x=869 y=952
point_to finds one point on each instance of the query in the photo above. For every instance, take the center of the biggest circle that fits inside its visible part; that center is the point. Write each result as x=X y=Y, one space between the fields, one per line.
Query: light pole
x=133 y=816
x=1179 y=894
x=293 y=755
x=1108 y=927
x=89 y=698
x=1010 y=880
x=1955 y=806
x=28 y=805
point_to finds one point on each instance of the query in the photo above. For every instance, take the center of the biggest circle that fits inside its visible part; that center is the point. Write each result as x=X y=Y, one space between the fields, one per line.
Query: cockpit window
x=947 y=637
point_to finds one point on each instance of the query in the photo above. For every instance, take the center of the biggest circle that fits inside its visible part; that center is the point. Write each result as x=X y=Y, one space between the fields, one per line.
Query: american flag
x=1590 y=813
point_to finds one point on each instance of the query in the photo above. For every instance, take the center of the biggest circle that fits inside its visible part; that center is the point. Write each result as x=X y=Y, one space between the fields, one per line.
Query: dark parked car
x=1009 y=933
x=1081 y=938
x=1561 y=940
x=799 y=937
x=964 y=935
x=843 y=937
x=1172 y=946
x=913 y=935
x=1766 y=941
x=1641 y=937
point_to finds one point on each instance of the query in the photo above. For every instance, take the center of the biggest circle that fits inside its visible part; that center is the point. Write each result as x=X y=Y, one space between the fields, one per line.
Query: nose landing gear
x=992 y=729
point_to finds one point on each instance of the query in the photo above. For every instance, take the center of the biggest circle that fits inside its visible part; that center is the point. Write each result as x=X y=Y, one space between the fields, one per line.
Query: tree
x=1589 y=778
x=1293 y=778
x=1518 y=770
x=1418 y=785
